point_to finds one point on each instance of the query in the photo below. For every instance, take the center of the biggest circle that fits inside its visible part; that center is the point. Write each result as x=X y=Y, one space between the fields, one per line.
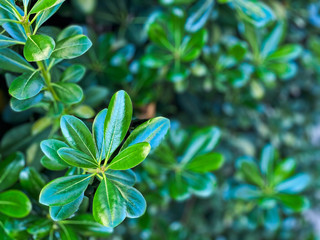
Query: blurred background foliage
x=249 y=68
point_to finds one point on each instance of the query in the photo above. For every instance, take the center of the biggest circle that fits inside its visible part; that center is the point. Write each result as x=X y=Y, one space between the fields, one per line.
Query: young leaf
x=130 y=157
x=72 y=47
x=13 y=62
x=69 y=93
x=38 y=48
x=44 y=5
x=50 y=149
x=73 y=73
x=26 y=86
x=14 y=203
x=109 y=208
x=64 y=190
x=205 y=163
x=78 y=135
x=77 y=158
x=152 y=131
x=98 y=132
x=267 y=160
x=10 y=169
x=117 y=121
x=59 y=213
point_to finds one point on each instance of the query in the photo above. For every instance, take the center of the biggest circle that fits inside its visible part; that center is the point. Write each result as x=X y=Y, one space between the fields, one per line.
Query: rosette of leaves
x=186 y=163
x=99 y=155
x=271 y=185
x=172 y=48
x=13 y=203
x=44 y=81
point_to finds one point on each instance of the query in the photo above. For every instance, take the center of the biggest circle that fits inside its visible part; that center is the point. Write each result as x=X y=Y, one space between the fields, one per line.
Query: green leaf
x=77 y=158
x=64 y=190
x=40 y=228
x=284 y=170
x=178 y=187
x=130 y=157
x=10 y=169
x=15 y=30
x=59 y=213
x=201 y=185
x=78 y=135
x=250 y=171
x=38 y=48
x=286 y=53
x=73 y=73
x=87 y=226
x=45 y=15
x=199 y=14
x=68 y=233
x=69 y=93
x=117 y=121
x=267 y=160
x=26 y=86
x=50 y=149
x=13 y=62
x=44 y=5
x=191 y=46
x=72 y=47
x=126 y=177
x=294 y=202
x=31 y=181
x=246 y=192
x=271 y=43
x=205 y=163
x=14 y=204
x=22 y=105
x=158 y=35
x=98 y=132
x=7 y=41
x=151 y=131
x=295 y=184
x=109 y=208
x=203 y=141
x=70 y=31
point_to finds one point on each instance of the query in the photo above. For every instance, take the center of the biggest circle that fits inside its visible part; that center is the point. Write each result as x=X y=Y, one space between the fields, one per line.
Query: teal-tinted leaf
x=68 y=93
x=191 y=46
x=201 y=185
x=284 y=170
x=40 y=228
x=152 y=131
x=52 y=160
x=38 y=48
x=267 y=160
x=15 y=30
x=87 y=226
x=44 y=5
x=126 y=177
x=117 y=121
x=295 y=184
x=25 y=3
x=8 y=6
x=109 y=208
x=199 y=15
x=13 y=62
x=130 y=157
x=294 y=202
x=45 y=15
x=245 y=192
x=286 y=53
x=22 y=105
x=26 y=86
x=178 y=187
x=156 y=57
x=203 y=141
x=250 y=171
x=205 y=163
x=73 y=73
x=14 y=204
x=270 y=44
x=70 y=31
x=31 y=181
x=77 y=158
x=72 y=47
x=64 y=190
x=59 y=213
x=10 y=168
x=283 y=69
x=98 y=132
x=78 y=135
x=272 y=219
x=7 y=41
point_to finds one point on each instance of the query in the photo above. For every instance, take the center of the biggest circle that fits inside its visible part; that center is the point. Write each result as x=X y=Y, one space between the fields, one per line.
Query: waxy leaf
x=13 y=62
x=68 y=93
x=22 y=105
x=73 y=73
x=77 y=158
x=205 y=163
x=14 y=204
x=78 y=135
x=64 y=190
x=70 y=31
x=10 y=169
x=126 y=177
x=130 y=157
x=45 y=15
x=72 y=47
x=26 y=86
x=44 y=5
x=59 y=213
x=38 y=48
x=50 y=148
x=109 y=207
x=152 y=131
x=98 y=132
x=117 y=121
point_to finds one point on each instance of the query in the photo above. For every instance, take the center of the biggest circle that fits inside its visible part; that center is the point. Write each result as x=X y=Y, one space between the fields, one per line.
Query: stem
x=47 y=78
